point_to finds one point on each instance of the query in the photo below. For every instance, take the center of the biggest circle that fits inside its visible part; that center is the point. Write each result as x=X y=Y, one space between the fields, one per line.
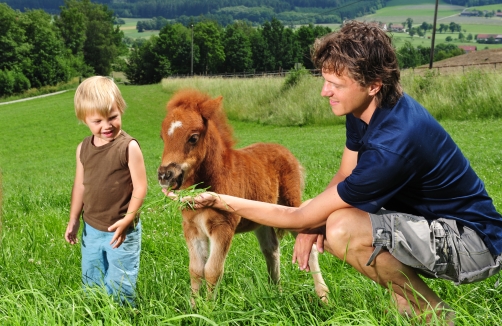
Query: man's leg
x=349 y=236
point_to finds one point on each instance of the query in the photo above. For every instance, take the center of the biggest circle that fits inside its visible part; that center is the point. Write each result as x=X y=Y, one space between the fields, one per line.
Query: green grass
x=40 y=272
x=129 y=29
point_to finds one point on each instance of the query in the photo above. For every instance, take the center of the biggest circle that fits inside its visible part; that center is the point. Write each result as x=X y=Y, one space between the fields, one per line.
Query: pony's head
x=190 y=115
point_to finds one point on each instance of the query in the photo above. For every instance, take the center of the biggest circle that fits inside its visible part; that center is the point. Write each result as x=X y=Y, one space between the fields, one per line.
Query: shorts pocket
x=476 y=261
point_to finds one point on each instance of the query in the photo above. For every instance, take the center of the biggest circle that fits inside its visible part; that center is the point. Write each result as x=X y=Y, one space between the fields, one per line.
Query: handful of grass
x=191 y=192
x=177 y=201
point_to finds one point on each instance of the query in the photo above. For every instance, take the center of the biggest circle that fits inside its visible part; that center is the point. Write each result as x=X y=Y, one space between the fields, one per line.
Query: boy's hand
x=120 y=227
x=72 y=231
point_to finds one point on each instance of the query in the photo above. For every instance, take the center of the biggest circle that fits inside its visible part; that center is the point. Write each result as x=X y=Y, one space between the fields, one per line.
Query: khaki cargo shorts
x=442 y=249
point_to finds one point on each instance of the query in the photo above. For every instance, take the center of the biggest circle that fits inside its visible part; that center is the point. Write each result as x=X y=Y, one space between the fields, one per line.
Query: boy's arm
x=139 y=184
x=77 y=196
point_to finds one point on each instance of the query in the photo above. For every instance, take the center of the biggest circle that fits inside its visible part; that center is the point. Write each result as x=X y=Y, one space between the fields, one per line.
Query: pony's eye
x=193 y=139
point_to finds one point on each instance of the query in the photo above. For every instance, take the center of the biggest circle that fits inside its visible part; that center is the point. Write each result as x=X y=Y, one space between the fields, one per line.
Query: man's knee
x=348 y=227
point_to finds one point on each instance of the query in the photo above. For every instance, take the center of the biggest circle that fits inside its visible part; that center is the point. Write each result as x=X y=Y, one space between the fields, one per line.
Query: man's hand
x=202 y=200
x=303 y=246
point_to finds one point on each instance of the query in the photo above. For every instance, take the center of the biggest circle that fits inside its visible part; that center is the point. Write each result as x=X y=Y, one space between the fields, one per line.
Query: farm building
x=482 y=38
x=468 y=48
x=397 y=28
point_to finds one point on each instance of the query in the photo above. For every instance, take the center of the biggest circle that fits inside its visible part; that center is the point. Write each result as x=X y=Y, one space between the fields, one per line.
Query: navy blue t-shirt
x=408 y=163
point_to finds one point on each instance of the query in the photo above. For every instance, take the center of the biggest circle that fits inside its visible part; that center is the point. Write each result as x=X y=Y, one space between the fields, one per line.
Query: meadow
x=40 y=272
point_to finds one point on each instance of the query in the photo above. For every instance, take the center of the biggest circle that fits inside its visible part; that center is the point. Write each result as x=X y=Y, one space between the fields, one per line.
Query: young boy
x=108 y=191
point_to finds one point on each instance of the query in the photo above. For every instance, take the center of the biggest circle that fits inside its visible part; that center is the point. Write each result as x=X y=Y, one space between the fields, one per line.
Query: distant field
x=129 y=29
x=397 y=12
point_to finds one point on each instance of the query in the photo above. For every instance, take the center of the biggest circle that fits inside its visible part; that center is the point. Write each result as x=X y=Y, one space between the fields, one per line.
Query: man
x=405 y=201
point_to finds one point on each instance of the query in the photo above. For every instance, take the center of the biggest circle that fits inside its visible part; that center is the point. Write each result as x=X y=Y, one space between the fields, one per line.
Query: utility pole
x=431 y=57
x=191 y=63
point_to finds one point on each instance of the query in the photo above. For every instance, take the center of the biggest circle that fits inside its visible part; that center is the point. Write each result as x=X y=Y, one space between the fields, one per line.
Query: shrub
x=7 y=82
x=294 y=77
x=21 y=82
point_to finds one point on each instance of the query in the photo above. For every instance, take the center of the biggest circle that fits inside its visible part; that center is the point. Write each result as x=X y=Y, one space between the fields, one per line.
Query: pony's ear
x=209 y=107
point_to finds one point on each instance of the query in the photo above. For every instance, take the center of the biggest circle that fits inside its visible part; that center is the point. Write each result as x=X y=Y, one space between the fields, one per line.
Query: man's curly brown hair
x=365 y=51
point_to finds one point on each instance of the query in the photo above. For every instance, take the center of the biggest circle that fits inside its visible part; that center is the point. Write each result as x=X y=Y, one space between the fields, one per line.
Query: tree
x=306 y=36
x=262 y=58
x=412 y=32
x=47 y=55
x=146 y=65
x=238 y=53
x=408 y=56
x=13 y=47
x=424 y=27
x=207 y=35
x=281 y=45
x=88 y=31
x=72 y=23
x=409 y=22
x=175 y=43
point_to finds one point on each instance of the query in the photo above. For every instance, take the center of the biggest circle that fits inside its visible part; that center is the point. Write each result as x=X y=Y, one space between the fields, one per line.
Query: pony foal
x=198 y=149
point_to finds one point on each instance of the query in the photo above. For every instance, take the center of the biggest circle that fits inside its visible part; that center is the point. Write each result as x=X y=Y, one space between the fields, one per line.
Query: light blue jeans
x=115 y=269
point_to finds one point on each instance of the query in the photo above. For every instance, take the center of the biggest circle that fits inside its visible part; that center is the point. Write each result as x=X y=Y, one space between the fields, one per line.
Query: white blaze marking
x=174 y=125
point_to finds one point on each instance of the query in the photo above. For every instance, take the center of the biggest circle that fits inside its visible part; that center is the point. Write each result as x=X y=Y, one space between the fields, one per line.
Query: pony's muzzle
x=170 y=176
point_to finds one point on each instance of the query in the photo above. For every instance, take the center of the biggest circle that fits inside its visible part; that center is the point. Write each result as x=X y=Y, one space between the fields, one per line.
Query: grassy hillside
x=397 y=11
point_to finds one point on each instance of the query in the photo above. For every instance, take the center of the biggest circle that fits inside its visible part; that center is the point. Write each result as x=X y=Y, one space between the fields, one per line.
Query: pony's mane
x=194 y=98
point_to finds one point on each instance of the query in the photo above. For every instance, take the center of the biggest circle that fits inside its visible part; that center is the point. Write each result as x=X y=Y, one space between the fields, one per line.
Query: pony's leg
x=319 y=285
x=220 y=239
x=197 y=243
x=269 y=245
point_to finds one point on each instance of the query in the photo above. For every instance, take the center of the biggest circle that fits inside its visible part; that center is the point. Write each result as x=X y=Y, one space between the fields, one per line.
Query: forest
x=225 y=11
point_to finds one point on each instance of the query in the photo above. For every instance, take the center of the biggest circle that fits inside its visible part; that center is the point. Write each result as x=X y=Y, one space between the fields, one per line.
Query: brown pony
x=198 y=149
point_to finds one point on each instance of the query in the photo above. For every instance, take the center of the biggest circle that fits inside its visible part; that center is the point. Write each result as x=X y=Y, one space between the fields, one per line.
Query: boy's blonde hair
x=97 y=95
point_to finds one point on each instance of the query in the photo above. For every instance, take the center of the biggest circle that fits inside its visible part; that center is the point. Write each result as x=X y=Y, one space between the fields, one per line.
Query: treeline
x=37 y=49
x=411 y=57
x=226 y=11
x=473 y=3
x=238 y=47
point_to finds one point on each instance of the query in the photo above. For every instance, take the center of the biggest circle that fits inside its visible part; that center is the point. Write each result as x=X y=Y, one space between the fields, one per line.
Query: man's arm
x=305 y=240
x=311 y=215
x=347 y=164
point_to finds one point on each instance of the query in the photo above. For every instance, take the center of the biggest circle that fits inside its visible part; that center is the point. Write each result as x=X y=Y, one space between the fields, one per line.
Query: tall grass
x=471 y=95
x=474 y=95
x=40 y=272
x=265 y=100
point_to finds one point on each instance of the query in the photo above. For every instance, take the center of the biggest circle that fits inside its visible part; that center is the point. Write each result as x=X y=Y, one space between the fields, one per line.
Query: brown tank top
x=107 y=181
